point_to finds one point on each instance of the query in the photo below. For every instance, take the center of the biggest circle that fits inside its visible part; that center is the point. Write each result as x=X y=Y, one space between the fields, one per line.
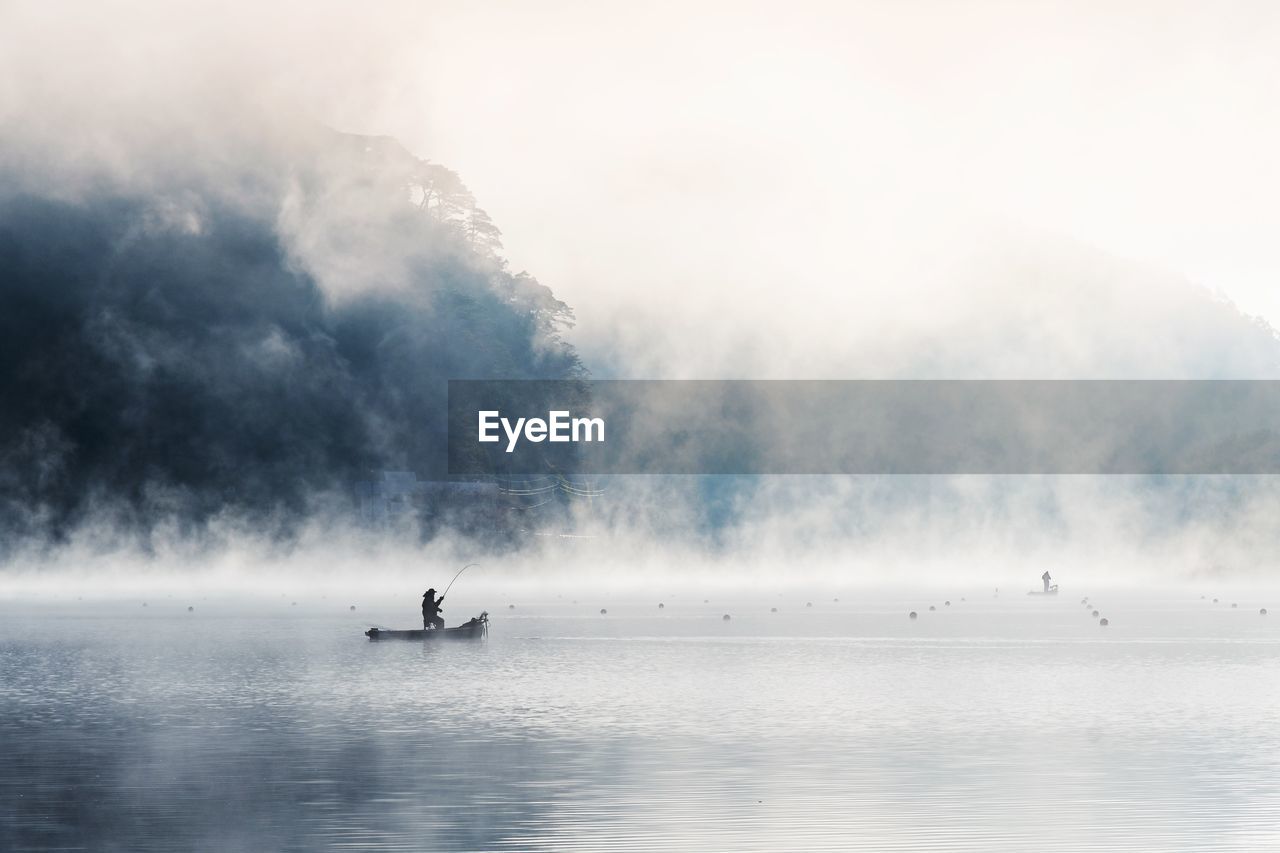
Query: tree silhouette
x=481 y=233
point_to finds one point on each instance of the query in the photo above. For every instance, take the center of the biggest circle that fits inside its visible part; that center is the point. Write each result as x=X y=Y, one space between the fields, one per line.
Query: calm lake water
x=1012 y=724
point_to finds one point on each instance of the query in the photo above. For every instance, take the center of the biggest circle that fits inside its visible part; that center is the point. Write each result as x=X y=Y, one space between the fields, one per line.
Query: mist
x=223 y=303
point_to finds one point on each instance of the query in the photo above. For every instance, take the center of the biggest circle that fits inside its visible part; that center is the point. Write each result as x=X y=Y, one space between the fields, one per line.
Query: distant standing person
x=1044 y=577
x=431 y=617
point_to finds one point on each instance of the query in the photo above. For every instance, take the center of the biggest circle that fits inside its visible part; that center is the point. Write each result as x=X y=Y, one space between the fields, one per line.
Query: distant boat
x=475 y=629
x=1053 y=590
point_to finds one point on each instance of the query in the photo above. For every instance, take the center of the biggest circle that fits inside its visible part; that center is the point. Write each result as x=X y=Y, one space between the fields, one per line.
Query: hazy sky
x=696 y=150
x=688 y=175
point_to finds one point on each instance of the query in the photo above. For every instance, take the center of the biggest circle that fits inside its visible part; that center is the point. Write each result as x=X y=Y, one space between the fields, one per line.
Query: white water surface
x=991 y=724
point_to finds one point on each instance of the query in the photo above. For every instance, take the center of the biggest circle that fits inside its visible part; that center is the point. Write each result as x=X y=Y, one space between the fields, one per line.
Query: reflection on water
x=1012 y=725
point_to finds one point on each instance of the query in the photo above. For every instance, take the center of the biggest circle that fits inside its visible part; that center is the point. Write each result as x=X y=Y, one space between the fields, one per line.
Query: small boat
x=1053 y=590
x=474 y=629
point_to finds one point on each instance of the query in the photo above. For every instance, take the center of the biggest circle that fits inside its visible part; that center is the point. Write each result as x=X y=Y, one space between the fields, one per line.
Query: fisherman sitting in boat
x=431 y=617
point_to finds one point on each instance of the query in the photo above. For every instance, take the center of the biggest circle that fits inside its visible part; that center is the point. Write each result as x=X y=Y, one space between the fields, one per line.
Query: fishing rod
x=455 y=577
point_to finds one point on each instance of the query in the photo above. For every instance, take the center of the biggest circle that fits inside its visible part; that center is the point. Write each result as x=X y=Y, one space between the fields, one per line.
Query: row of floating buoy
x=728 y=617
x=933 y=608
x=1262 y=611
x=1093 y=611
x=192 y=609
x=1102 y=621
x=662 y=606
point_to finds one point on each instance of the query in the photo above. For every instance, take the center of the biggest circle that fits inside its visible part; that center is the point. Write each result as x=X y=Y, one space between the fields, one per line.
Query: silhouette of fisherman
x=431 y=617
x=1044 y=577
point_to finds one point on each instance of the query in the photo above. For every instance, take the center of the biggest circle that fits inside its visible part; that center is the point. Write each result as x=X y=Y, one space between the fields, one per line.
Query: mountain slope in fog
x=977 y=302
x=1056 y=309
x=243 y=337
